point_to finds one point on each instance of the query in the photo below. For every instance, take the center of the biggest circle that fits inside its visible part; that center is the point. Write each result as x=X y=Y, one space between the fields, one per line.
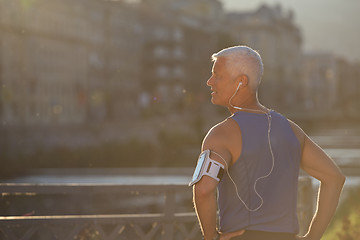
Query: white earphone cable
x=268 y=114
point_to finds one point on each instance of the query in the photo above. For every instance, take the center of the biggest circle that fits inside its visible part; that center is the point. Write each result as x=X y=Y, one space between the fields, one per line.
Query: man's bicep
x=212 y=142
x=215 y=141
x=316 y=162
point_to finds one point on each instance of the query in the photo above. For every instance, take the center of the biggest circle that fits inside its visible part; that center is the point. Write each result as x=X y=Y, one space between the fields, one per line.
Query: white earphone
x=239 y=86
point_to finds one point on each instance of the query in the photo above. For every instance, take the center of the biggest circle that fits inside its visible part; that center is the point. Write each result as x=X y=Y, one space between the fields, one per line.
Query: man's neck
x=248 y=104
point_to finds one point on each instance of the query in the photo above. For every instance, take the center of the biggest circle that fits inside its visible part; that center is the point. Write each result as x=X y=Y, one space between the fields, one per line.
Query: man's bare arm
x=320 y=166
x=204 y=191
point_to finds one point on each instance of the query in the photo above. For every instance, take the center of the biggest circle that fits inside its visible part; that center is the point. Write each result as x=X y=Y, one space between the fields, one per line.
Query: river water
x=122 y=177
x=332 y=141
x=53 y=176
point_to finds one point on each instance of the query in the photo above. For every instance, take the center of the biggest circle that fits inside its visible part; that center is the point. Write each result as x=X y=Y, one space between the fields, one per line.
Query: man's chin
x=213 y=101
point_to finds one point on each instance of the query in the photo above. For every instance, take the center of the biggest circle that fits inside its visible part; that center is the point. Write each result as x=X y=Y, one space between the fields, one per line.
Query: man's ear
x=243 y=79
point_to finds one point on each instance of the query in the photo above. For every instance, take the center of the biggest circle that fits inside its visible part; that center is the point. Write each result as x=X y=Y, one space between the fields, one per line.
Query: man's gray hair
x=243 y=60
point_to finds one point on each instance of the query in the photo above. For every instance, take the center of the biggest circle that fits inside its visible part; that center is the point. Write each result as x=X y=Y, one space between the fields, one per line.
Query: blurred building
x=43 y=68
x=321 y=81
x=105 y=70
x=178 y=43
x=66 y=62
x=116 y=63
x=349 y=88
x=191 y=11
x=173 y=66
x=64 y=65
x=274 y=34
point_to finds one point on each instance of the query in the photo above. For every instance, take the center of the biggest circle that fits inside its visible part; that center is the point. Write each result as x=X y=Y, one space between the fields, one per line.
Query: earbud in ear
x=238 y=86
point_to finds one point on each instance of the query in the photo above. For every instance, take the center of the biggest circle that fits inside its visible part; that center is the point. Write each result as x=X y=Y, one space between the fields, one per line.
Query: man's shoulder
x=222 y=129
x=223 y=134
x=299 y=133
x=295 y=127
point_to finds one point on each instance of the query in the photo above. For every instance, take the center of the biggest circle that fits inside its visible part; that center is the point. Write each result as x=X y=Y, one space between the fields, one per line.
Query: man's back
x=263 y=194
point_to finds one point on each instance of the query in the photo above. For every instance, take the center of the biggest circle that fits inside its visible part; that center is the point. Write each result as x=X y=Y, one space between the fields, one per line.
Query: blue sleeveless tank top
x=278 y=190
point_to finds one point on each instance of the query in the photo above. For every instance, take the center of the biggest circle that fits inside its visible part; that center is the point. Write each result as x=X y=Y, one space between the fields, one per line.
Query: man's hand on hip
x=228 y=236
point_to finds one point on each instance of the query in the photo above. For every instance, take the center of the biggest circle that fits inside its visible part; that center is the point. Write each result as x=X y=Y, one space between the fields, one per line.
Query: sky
x=331 y=26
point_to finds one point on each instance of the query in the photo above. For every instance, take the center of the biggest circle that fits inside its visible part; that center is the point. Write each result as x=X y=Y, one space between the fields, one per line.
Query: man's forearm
x=328 y=199
x=205 y=206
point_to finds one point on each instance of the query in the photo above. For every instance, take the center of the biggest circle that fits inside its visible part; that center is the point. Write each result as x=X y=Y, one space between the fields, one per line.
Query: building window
x=178 y=35
x=160 y=52
x=162 y=71
x=161 y=33
x=178 y=52
x=179 y=71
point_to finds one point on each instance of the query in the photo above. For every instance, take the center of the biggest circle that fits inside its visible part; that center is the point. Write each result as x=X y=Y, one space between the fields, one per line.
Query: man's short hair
x=243 y=60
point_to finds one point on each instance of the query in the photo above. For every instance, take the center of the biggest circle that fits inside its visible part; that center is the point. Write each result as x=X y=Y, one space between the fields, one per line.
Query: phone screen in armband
x=199 y=166
x=206 y=166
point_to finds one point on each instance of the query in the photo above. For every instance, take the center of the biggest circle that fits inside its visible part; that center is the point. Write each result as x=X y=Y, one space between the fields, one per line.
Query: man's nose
x=209 y=81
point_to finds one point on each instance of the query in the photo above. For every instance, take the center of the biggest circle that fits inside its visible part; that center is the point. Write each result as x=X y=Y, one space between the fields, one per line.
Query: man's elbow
x=338 y=179
x=335 y=179
x=203 y=191
x=341 y=179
